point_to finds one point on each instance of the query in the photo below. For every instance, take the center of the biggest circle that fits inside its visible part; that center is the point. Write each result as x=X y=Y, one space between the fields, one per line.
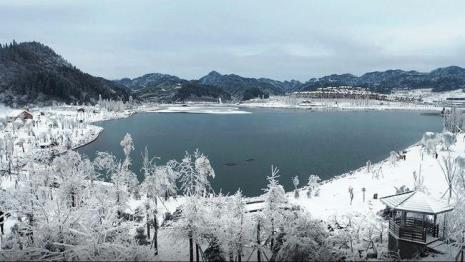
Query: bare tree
x=419 y=181
x=450 y=171
x=313 y=185
x=351 y=194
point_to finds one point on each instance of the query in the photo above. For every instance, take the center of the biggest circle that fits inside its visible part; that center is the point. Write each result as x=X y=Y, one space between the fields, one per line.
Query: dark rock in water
x=230 y=164
x=431 y=114
x=250 y=160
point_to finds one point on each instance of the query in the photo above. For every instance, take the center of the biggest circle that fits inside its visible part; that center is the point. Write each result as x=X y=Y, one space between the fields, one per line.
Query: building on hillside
x=340 y=92
x=455 y=102
x=24 y=115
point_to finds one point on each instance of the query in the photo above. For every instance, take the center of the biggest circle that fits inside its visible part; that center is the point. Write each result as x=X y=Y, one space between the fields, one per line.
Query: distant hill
x=162 y=87
x=155 y=86
x=441 y=79
x=285 y=86
x=194 y=91
x=237 y=85
x=31 y=72
x=151 y=81
x=167 y=88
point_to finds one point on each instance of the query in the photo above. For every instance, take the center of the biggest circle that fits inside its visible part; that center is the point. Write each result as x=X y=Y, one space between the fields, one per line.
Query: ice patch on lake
x=202 y=110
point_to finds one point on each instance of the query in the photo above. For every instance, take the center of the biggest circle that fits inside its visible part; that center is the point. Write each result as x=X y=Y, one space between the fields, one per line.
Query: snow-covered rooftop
x=416 y=201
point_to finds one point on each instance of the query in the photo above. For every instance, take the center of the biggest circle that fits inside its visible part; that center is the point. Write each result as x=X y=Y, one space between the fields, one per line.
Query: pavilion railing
x=413 y=229
x=394 y=227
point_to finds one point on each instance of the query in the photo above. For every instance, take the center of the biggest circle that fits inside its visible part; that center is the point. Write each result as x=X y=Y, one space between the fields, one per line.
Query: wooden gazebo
x=413 y=222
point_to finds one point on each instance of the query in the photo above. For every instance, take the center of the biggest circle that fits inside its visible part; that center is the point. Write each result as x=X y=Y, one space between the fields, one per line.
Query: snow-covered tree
x=231 y=227
x=460 y=162
x=448 y=139
x=128 y=146
x=306 y=240
x=393 y=158
x=456 y=218
x=193 y=171
x=119 y=173
x=60 y=215
x=72 y=174
x=159 y=181
x=454 y=120
x=295 y=182
x=368 y=166
x=313 y=185
x=275 y=208
x=429 y=142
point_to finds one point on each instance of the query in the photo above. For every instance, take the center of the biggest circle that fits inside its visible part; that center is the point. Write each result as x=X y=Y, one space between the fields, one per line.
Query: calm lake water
x=243 y=147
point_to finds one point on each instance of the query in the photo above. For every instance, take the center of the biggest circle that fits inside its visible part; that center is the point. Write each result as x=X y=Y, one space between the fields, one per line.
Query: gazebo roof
x=418 y=202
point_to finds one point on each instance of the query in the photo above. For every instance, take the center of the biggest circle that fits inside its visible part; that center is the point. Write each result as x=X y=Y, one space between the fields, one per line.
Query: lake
x=243 y=147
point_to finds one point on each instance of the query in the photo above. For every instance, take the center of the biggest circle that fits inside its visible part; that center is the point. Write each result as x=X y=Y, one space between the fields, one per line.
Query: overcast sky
x=277 y=39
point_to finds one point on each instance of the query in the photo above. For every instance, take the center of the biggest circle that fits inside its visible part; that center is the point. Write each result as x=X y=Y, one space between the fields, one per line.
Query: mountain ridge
x=439 y=79
x=31 y=72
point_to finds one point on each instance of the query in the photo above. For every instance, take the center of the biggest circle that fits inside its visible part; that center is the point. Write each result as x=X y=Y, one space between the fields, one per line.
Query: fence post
x=424 y=234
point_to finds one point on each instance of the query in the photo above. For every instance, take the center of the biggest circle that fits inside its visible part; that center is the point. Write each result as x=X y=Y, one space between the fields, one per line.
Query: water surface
x=243 y=147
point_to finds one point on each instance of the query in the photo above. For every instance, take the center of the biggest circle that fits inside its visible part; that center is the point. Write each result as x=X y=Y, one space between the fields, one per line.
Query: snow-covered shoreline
x=56 y=128
x=380 y=179
x=337 y=105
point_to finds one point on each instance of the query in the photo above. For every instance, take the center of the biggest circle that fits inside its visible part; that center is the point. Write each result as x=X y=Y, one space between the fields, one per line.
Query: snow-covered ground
x=333 y=202
x=381 y=179
x=71 y=128
x=427 y=96
x=336 y=104
x=90 y=115
x=412 y=100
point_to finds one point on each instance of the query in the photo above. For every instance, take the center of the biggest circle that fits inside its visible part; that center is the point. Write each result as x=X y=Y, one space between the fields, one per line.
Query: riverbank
x=286 y=102
x=380 y=179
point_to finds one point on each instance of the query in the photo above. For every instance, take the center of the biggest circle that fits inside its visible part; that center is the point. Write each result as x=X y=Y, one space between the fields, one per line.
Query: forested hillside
x=31 y=72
